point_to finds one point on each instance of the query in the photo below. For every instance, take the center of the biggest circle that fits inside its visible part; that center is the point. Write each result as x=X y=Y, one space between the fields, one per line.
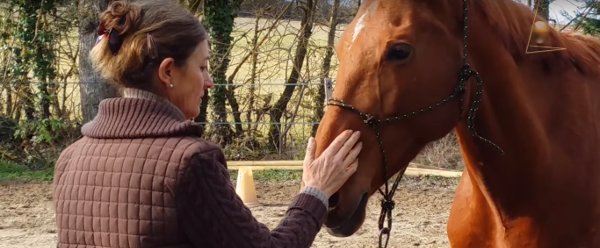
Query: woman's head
x=154 y=45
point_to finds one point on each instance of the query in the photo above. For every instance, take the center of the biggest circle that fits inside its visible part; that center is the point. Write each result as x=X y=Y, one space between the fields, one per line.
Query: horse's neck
x=542 y=114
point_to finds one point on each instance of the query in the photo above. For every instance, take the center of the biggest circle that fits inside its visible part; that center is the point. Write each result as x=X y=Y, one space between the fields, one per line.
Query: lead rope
x=467 y=72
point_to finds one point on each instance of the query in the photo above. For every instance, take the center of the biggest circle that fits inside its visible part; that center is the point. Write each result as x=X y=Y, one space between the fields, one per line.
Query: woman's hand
x=336 y=164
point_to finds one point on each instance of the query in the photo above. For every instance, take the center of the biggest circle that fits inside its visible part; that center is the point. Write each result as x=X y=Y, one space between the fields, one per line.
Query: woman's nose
x=209 y=82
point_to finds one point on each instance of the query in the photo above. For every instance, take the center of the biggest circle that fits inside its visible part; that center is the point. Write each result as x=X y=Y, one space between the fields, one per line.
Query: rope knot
x=388 y=205
x=466 y=71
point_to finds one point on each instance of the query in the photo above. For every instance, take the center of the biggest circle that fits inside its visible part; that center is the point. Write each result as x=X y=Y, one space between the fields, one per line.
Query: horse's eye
x=399 y=52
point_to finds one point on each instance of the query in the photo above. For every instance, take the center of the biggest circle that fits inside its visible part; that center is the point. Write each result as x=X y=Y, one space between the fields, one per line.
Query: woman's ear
x=165 y=70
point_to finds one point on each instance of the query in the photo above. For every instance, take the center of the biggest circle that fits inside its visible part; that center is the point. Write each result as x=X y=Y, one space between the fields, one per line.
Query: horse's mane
x=512 y=22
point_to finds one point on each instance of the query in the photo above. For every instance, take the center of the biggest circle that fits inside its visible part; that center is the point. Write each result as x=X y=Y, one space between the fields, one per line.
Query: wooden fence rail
x=412 y=170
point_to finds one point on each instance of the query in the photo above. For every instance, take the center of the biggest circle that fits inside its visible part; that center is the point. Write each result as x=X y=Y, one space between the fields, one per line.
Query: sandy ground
x=422 y=207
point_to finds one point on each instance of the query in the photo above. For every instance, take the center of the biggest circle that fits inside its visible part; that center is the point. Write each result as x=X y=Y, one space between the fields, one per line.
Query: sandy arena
x=422 y=207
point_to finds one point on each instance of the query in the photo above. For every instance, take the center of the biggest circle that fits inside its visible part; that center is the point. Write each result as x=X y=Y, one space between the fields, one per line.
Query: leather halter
x=373 y=122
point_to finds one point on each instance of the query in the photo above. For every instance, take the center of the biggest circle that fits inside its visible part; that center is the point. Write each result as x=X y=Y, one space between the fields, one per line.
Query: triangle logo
x=539 y=41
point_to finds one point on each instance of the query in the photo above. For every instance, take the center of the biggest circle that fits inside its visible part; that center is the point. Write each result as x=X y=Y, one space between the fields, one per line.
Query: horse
x=528 y=123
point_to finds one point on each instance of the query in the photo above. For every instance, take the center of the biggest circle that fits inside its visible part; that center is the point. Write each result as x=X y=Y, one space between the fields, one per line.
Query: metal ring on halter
x=384 y=232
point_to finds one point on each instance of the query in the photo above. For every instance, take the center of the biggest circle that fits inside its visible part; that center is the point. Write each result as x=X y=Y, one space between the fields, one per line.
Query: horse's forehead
x=370 y=10
x=378 y=15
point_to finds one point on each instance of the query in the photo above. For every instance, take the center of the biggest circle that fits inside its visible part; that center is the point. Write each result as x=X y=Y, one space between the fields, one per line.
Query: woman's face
x=190 y=82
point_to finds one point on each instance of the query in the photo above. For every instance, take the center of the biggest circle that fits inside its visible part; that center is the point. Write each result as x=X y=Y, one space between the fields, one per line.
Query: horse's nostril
x=333 y=200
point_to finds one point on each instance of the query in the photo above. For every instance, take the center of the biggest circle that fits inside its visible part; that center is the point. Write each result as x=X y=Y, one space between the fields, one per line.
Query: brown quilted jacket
x=141 y=177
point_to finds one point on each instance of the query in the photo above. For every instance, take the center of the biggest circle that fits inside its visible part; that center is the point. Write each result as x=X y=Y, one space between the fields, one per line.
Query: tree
x=543 y=8
x=44 y=67
x=591 y=21
x=591 y=26
x=23 y=56
x=93 y=88
x=219 y=18
x=326 y=68
x=587 y=17
x=277 y=110
x=34 y=53
x=194 y=6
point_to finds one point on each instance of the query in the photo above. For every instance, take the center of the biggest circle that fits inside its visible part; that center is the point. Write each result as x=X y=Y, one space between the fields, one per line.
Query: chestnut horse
x=528 y=124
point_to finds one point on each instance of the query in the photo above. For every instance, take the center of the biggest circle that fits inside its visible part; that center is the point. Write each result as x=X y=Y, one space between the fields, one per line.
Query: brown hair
x=137 y=36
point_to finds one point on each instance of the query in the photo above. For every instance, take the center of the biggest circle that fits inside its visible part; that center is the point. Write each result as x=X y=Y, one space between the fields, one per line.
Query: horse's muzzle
x=343 y=225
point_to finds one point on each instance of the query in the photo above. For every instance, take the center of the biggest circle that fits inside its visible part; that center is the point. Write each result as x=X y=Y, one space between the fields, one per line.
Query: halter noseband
x=465 y=73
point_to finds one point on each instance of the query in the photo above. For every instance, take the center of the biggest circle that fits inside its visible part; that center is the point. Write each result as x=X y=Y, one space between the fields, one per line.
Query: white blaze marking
x=359 y=27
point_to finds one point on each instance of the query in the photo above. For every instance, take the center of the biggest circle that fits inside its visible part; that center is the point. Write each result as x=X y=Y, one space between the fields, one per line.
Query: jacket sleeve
x=212 y=214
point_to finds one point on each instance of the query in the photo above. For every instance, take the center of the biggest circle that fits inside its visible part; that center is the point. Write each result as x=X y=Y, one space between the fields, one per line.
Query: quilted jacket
x=142 y=177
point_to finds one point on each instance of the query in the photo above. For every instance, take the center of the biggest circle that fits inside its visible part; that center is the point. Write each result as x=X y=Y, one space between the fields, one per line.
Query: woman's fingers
x=310 y=152
x=338 y=162
x=353 y=154
x=348 y=145
x=339 y=141
x=352 y=168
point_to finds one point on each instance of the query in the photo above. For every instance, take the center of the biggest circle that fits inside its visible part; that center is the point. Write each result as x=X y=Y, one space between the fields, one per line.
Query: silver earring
x=171 y=85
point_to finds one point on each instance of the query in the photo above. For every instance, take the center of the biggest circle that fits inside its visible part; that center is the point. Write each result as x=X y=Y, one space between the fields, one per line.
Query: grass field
x=10 y=172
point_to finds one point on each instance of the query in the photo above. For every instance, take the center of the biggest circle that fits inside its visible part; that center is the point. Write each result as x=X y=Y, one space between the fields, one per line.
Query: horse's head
x=395 y=57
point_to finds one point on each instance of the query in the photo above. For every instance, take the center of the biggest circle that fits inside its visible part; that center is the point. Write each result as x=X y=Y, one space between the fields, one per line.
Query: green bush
x=8 y=126
x=591 y=26
x=36 y=145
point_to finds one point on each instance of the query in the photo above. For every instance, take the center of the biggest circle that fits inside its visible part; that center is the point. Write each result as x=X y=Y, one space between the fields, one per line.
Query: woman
x=142 y=177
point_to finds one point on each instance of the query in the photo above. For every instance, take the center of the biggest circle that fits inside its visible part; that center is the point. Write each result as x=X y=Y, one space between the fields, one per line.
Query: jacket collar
x=139 y=117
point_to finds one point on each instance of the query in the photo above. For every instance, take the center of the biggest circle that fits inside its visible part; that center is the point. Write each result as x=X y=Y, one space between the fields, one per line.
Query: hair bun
x=120 y=17
x=135 y=36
